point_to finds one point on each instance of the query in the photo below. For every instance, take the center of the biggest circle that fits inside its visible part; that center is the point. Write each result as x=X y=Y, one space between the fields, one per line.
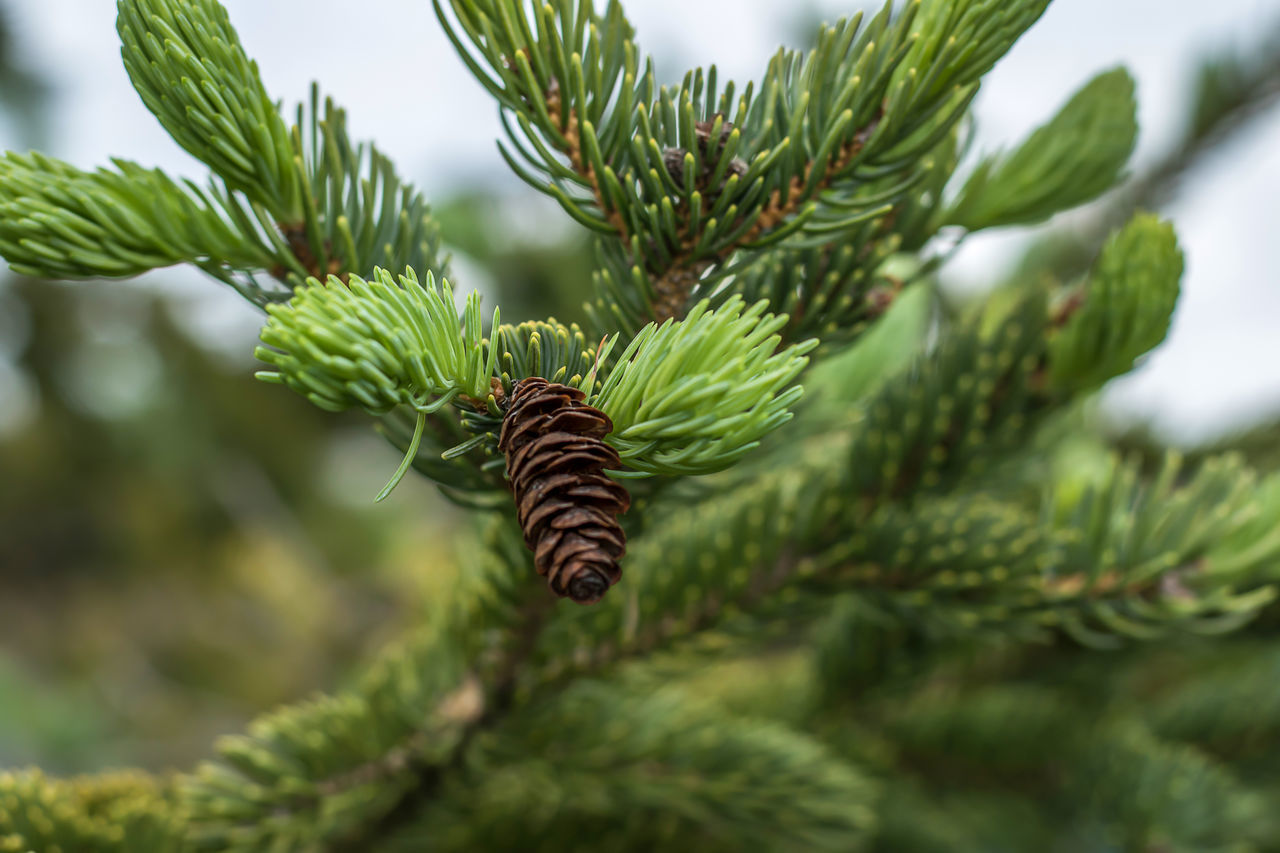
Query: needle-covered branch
x=693 y=397
x=1120 y=561
x=288 y=204
x=872 y=545
x=1124 y=308
x=110 y=813
x=57 y=221
x=1074 y=158
x=568 y=80
x=187 y=63
x=684 y=176
x=330 y=773
x=378 y=344
x=559 y=779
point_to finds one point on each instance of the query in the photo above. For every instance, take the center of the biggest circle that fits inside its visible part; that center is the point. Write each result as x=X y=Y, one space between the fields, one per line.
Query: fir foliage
x=111 y=813
x=1078 y=155
x=378 y=344
x=186 y=62
x=286 y=203
x=1128 y=303
x=56 y=220
x=878 y=627
x=559 y=774
x=722 y=363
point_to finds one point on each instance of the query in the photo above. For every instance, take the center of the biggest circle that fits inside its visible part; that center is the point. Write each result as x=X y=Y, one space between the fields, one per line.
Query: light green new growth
x=1128 y=303
x=56 y=220
x=377 y=344
x=186 y=62
x=1079 y=154
x=693 y=396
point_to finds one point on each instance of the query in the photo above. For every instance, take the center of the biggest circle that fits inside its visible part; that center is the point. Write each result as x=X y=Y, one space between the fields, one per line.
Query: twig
x=471 y=705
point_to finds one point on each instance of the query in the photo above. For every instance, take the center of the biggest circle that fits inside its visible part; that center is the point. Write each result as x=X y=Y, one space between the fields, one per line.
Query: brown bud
x=673 y=158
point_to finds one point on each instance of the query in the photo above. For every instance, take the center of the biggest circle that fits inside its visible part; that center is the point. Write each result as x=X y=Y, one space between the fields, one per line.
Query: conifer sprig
x=684 y=176
x=1124 y=308
x=59 y=221
x=694 y=396
x=378 y=344
x=288 y=204
x=543 y=776
x=187 y=63
x=359 y=214
x=689 y=397
x=1078 y=155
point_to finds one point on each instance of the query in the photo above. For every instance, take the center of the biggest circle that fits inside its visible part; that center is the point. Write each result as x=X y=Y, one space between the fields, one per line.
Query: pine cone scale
x=563 y=442
x=578 y=516
x=607 y=493
x=571 y=461
x=566 y=505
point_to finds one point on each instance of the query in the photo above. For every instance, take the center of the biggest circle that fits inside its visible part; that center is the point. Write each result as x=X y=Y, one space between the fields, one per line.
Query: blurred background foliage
x=172 y=562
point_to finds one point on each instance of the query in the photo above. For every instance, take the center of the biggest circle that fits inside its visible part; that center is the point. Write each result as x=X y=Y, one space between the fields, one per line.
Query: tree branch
x=479 y=703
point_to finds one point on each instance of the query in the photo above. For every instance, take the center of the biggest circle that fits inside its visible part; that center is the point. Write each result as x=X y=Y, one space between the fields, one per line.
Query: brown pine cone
x=567 y=506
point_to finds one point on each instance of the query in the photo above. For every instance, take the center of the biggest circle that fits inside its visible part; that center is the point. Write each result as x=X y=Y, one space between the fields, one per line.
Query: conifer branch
x=292 y=204
x=556 y=767
x=192 y=73
x=1071 y=160
x=746 y=222
x=1234 y=87
x=664 y=173
x=112 y=812
x=481 y=702
x=57 y=220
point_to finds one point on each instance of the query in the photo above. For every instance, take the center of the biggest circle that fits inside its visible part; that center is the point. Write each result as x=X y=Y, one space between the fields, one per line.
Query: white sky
x=389 y=63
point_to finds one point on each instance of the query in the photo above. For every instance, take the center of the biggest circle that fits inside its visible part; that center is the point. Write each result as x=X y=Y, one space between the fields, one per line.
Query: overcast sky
x=389 y=63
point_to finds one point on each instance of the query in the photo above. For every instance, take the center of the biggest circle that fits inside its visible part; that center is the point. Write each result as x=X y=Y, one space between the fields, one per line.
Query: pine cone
x=566 y=504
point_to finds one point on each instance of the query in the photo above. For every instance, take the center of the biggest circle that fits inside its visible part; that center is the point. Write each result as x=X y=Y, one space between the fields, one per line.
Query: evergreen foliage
x=1073 y=158
x=58 y=220
x=695 y=396
x=1126 y=306
x=192 y=73
x=865 y=633
x=377 y=344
